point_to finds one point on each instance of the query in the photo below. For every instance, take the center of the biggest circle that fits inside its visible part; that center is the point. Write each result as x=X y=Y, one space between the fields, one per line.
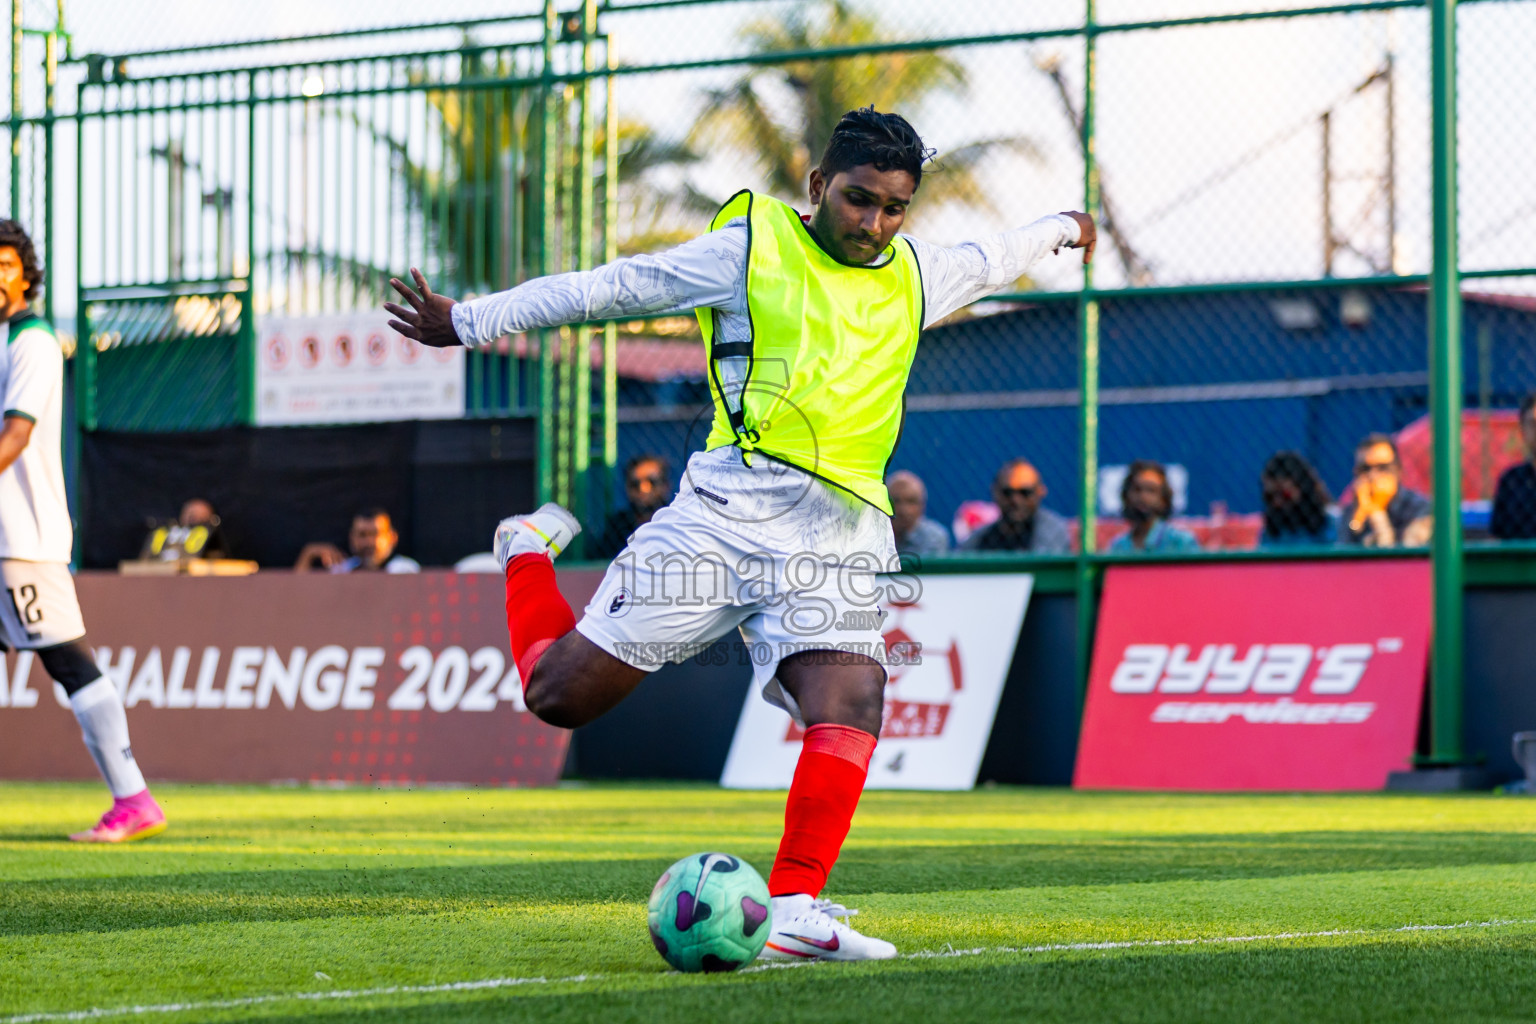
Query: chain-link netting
x=1265 y=225
x=1495 y=98
x=1285 y=167
x=1499 y=424
x=1290 y=149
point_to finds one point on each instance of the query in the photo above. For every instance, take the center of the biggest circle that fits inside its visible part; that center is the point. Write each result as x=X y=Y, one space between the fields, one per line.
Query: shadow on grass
x=144 y=901
x=1461 y=977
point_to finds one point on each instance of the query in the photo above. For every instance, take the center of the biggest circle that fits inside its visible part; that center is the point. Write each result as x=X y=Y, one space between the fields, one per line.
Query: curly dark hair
x=866 y=136
x=15 y=236
x=1310 y=513
x=1157 y=469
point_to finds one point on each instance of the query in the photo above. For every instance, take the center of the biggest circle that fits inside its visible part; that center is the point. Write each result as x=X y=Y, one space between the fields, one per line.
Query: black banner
x=446 y=485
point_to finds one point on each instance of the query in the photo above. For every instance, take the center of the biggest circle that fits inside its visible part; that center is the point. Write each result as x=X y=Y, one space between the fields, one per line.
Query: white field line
x=101 y=1013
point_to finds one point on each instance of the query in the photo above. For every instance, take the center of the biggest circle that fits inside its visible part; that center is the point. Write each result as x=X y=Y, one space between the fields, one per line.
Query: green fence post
x=586 y=222
x=245 y=341
x=16 y=37
x=610 y=253
x=85 y=351
x=563 y=251
x=50 y=82
x=1445 y=396
x=1088 y=378
x=546 y=208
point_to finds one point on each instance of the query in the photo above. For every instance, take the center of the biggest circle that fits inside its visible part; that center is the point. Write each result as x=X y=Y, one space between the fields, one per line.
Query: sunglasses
x=1375 y=467
x=636 y=481
x=1019 y=492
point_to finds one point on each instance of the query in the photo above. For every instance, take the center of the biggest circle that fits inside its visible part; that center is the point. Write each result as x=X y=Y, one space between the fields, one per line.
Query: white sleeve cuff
x=1070 y=229
x=463 y=323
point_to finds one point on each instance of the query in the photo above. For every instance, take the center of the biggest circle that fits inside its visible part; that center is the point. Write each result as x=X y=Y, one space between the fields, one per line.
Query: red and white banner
x=950 y=649
x=365 y=678
x=351 y=369
x=1286 y=676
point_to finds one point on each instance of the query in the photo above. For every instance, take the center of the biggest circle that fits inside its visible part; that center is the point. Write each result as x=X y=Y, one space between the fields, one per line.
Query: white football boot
x=805 y=928
x=548 y=531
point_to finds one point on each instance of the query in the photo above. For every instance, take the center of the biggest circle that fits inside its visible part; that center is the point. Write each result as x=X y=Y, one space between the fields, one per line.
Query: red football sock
x=537 y=613
x=834 y=761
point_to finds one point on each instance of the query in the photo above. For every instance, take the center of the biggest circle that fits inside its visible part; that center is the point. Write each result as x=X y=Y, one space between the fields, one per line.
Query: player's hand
x=1370 y=495
x=430 y=318
x=1087 y=234
x=1383 y=489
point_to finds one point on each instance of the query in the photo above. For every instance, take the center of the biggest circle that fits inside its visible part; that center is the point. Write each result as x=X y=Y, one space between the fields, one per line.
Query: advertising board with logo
x=351 y=369
x=361 y=678
x=950 y=650
x=1282 y=676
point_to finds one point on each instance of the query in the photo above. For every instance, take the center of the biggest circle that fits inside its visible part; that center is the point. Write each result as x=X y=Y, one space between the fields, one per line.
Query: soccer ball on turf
x=709 y=912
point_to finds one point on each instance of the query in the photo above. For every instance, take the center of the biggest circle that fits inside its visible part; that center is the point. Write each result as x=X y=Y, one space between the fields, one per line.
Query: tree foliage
x=782 y=115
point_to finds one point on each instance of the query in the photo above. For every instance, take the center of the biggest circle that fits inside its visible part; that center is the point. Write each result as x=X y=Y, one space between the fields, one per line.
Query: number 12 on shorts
x=24 y=603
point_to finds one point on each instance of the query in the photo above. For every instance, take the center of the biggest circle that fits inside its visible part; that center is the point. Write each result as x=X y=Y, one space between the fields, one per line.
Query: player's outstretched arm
x=706 y=272
x=959 y=275
x=429 y=319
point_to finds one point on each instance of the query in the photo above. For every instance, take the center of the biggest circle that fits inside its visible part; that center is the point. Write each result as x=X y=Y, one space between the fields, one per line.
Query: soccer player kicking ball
x=41 y=612
x=811 y=325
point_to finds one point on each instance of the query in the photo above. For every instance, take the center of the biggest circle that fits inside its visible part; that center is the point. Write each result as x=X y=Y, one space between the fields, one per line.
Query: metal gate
x=210 y=200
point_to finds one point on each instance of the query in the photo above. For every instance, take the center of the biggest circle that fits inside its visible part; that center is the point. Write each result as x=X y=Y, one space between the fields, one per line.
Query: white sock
x=104 y=727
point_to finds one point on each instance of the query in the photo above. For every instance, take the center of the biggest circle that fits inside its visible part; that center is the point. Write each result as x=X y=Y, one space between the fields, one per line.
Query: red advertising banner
x=1285 y=676
x=369 y=679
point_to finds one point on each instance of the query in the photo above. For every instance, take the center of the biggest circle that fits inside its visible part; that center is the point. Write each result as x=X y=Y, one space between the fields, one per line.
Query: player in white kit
x=810 y=325
x=40 y=611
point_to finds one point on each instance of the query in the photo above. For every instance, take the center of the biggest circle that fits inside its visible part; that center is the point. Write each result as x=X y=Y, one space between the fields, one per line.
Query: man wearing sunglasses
x=647 y=488
x=1378 y=511
x=1022 y=525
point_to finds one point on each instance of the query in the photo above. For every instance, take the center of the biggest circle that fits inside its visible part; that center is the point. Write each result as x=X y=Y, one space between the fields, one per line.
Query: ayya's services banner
x=1278 y=676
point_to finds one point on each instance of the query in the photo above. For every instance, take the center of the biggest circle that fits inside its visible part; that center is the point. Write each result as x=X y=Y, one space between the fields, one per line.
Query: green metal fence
x=1278 y=190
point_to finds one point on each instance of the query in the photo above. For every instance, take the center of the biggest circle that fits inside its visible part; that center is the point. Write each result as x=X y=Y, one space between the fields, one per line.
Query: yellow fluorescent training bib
x=820 y=384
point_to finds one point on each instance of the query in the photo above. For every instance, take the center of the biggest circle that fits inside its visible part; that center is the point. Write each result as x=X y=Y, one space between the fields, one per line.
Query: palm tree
x=480 y=208
x=744 y=114
x=655 y=213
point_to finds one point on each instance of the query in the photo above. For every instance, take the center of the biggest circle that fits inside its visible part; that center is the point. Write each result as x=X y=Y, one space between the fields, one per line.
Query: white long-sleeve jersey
x=710 y=272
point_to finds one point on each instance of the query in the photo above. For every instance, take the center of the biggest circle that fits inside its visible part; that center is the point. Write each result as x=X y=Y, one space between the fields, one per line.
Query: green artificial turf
x=267 y=894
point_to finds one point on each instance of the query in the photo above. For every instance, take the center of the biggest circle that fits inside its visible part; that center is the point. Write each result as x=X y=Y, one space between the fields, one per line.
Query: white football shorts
x=768 y=550
x=40 y=608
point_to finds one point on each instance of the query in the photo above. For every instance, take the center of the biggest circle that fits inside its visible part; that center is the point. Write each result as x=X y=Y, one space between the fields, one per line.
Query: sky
x=1210 y=138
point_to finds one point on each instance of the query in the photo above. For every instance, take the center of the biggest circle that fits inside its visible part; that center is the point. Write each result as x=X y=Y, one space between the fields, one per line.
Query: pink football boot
x=129 y=818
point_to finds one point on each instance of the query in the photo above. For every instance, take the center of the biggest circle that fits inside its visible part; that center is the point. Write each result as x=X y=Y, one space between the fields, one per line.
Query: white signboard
x=351 y=368
x=938 y=710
